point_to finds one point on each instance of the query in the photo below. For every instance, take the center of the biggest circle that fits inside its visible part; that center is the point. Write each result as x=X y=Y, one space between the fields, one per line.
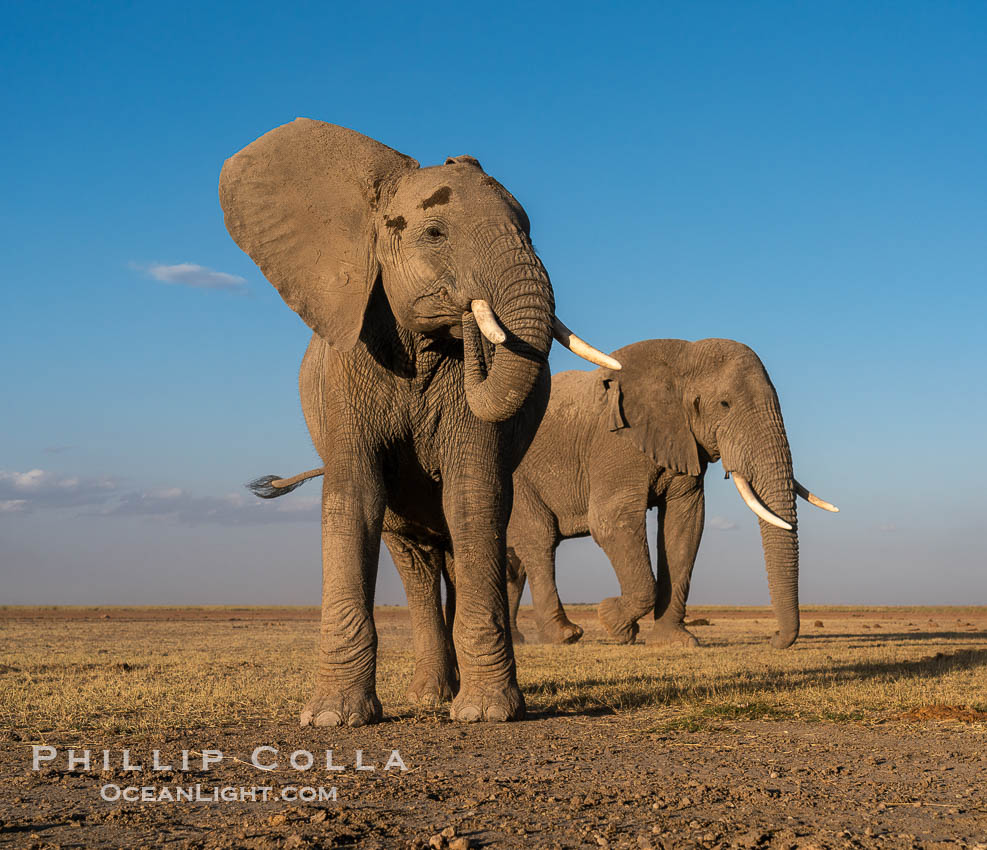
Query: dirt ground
x=871 y=732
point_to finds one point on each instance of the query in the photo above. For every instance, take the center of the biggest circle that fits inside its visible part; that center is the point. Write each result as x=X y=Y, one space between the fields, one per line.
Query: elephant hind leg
x=537 y=559
x=532 y=538
x=421 y=566
x=516 y=578
x=619 y=528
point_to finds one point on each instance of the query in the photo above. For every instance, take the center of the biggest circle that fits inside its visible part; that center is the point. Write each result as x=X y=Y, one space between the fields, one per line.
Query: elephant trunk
x=499 y=378
x=765 y=460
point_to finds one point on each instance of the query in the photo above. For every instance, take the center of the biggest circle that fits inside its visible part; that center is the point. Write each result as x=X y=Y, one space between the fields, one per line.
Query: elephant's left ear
x=300 y=201
x=647 y=409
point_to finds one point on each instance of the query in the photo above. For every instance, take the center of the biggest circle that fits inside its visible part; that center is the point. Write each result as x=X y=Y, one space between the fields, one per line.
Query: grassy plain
x=870 y=732
x=140 y=669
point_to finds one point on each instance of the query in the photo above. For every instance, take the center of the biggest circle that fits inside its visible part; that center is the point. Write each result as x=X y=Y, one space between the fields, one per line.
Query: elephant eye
x=725 y=404
x=434 y=233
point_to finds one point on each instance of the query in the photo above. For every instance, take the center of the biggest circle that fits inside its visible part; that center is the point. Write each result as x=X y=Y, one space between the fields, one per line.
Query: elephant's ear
x=299 y=201
x=647 y=409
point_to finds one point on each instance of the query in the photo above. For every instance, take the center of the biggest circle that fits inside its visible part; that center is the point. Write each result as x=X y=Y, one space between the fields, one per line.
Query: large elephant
x=612 y=446
x=423 y=383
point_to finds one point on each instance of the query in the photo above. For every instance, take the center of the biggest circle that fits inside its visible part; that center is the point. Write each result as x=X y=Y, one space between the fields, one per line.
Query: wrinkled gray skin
x=612 y=445
x=420 y=422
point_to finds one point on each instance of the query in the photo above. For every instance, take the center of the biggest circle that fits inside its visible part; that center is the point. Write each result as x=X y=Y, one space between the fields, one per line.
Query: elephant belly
x=573 y=525
x=414 y=499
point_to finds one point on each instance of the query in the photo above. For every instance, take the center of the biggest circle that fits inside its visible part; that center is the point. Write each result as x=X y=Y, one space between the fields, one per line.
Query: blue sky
x=808 y=178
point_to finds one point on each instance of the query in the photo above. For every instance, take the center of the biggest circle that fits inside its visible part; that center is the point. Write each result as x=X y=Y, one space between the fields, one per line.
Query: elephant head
x=326 y=212
x=687 y=404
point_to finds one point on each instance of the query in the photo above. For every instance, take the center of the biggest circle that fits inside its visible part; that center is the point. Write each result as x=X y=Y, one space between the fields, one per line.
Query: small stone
x=279 y=819
x=773 y=774
x=294 y=840
x=461 y=843
x=818 y=624
x=448 y=832
x=644 y=841
x=684 y=803
x=319 y=816
x=437 y=842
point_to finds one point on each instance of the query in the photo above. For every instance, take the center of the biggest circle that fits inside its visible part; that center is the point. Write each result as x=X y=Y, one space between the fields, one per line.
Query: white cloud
x=721 y=523
x=192 y=274
x=233 y=509
x=39 y=489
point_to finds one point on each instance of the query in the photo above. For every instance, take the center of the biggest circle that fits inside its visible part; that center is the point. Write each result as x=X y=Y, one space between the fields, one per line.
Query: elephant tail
x=272 y=486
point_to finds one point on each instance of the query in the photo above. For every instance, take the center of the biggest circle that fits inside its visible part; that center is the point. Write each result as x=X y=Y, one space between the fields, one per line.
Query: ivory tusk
x=487 y=322
x=580 y=347
x=813 y=499
x=751 y=500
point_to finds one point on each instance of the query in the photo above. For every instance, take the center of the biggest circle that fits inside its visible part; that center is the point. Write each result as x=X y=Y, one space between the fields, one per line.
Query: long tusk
x=487 y=322
x=751 y=500
x=582 y=348
x=813 y=499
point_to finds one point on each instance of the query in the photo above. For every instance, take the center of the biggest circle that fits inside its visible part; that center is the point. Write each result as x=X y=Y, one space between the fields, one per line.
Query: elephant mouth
x=491 y=329
x=452 y=307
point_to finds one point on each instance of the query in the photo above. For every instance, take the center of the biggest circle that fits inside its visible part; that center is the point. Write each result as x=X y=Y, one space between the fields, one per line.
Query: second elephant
x=612 y=446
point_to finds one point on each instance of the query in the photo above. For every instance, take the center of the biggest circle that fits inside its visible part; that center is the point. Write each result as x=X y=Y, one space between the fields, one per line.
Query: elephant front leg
x=477 y=502
x=420 y=566
x=352 y=514
x=680 y=529
x=618 y=526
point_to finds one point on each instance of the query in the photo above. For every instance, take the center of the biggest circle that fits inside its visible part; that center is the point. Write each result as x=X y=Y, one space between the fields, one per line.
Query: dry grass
x=125 y=670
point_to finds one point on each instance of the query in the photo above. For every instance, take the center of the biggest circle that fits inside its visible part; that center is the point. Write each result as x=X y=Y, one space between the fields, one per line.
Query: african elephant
x=423 y=383
x=610 y=447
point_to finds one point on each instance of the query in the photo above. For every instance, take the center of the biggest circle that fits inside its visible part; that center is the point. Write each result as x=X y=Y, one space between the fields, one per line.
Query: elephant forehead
x=450 y=189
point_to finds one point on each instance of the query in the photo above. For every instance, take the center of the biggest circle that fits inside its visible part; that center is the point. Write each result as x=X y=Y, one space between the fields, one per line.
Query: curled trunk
x=498 y=379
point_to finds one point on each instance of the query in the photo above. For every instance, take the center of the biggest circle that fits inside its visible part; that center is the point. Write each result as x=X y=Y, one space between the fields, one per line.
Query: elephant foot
x=430 y=687
x=342 y=707
x=783 y=641
x=517 y=637
x=672 y=635
x=616 y=623
x=560 y=631
x=476 y=702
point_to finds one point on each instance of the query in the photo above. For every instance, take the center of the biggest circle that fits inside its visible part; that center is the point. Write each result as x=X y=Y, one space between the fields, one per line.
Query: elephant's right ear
x=645 y=407
x=300 y=202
